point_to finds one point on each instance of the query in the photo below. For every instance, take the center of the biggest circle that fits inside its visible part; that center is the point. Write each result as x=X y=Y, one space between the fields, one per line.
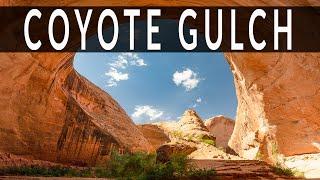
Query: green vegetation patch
x=177 y=134
x=283 y=171
x=206 y=140
x=279 y=170
x=145 y=166
x=128 y=166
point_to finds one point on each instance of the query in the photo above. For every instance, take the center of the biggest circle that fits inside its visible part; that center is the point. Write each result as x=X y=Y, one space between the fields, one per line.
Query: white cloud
x=119 y=63
x=125 y=59
x=197 y=103
x=187 y=78
x=122 y=61
x=138 y=62
x=115 y=76
x=148 y=112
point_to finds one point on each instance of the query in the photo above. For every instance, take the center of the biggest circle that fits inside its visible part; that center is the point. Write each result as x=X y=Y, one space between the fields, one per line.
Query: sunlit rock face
x=190 y=135
x=191 y=124
x=50 y=112
x=190 y=127
x=155 y=135
x=278 y=103
x=220 y=127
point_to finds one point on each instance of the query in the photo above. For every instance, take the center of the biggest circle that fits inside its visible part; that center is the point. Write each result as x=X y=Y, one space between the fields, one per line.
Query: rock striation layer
x=50 y=112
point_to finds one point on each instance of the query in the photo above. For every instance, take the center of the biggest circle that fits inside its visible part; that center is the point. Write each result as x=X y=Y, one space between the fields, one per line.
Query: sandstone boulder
x=154 y=135
x=166 y=151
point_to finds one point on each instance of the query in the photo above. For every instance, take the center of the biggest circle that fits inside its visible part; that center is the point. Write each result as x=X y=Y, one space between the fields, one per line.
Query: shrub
x=279 y=170
x=209 y=141
x=206 y=140
x=177 y=134
x=128 y=166
x=145 y=166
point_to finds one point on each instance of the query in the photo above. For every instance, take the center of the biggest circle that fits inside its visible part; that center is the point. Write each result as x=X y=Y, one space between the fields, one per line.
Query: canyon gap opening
x=161 y=86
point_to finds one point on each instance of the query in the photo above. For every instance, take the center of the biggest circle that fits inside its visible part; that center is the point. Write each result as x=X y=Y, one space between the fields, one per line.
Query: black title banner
x=165 y=29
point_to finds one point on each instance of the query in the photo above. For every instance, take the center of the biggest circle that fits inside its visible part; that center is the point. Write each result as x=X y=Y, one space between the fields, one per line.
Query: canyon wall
x=50 y=112
x=278 y=104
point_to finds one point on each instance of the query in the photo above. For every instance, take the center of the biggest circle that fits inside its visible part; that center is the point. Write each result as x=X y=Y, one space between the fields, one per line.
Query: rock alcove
x=50 y=112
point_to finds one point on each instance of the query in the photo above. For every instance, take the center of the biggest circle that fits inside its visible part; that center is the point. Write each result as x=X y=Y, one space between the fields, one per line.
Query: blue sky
x=161 y=86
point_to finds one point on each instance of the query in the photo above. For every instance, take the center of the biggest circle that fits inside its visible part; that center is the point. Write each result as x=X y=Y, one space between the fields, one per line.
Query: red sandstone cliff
x=220 y=127
x=50 y=112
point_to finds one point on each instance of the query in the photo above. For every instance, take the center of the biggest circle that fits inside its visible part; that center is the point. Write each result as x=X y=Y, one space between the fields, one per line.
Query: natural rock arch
x=50 y=112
